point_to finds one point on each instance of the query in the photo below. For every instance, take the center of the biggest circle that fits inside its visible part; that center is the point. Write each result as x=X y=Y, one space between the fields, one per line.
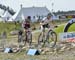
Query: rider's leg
x=25 y=38
x=42 y=30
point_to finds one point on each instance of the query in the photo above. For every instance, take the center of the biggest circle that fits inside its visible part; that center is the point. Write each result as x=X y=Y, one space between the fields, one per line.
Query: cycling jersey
x=45 y=23
x=26 y=24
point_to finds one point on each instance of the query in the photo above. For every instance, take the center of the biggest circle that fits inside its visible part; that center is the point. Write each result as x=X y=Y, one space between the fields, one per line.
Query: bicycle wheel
x=21 y=41
x=24 y=39
x=40 y=38
x=29 y=38
x=51 y=38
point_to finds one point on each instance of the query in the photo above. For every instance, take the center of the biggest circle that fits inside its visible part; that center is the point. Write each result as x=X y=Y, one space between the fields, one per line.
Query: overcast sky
x=62 y=5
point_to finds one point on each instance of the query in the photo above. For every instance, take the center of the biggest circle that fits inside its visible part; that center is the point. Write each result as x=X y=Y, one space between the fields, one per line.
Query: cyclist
x=27 y=24
x=27 y=28
x=45 y=22
x=44 y=37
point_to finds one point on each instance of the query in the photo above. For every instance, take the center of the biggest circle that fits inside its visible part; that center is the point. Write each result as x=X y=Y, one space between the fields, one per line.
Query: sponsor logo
x=68 y=36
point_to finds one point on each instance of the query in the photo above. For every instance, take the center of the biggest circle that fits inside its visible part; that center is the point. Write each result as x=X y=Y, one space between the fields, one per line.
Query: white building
x=34 y=12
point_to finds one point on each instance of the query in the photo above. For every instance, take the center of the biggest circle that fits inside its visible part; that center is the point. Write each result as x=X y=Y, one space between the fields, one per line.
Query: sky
x=62 y=5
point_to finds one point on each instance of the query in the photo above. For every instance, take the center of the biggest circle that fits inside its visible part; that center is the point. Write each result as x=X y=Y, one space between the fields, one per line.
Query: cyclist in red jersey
x=27 y=24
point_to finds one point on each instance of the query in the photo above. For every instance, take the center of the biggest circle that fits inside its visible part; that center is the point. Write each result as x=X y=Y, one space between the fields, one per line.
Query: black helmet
x=28 y=17
x=49 y=14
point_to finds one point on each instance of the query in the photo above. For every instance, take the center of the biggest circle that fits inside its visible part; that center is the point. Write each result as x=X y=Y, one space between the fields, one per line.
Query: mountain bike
x=24 y=37
x=28 y=38
x=50 y=38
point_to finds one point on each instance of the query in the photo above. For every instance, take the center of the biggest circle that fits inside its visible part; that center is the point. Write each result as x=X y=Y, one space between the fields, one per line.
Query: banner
x=67 y=37
x=70 y=22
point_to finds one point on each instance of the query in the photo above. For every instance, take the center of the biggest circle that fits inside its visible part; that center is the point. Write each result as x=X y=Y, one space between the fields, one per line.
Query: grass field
x=23 y=54
x=12 y=26
x=60 y=29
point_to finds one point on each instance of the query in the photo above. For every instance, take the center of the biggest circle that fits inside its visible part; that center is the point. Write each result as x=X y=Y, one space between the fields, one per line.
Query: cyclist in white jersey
x=45 y=23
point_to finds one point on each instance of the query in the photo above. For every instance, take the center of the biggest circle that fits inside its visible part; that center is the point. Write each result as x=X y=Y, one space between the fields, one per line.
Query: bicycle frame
x=45 y=36
x=27 y=39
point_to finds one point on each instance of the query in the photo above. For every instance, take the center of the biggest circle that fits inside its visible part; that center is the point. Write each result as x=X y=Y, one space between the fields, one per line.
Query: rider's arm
x=42 y=23
x=23 y=24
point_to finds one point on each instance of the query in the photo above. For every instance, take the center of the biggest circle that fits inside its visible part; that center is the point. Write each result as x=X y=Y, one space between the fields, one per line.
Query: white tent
x=1 y=12
x=34 y=12
x=6 y=16
x=1 y=19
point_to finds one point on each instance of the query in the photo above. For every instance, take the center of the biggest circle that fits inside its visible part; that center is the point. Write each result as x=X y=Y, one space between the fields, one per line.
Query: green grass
x=8 y=27
x=60 y=29
x=11 y=26
x=72 y=28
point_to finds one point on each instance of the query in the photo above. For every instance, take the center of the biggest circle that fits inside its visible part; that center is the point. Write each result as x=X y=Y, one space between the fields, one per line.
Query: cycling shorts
x=45 y=26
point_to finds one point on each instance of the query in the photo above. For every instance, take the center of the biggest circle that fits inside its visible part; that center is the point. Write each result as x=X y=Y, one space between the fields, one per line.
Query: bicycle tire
x=21 y=41
x=24 y=40
x=51 y=35
x=40 y=38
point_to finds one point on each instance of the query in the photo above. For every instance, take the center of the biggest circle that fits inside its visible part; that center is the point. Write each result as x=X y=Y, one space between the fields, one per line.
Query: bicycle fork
x=46 y=38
